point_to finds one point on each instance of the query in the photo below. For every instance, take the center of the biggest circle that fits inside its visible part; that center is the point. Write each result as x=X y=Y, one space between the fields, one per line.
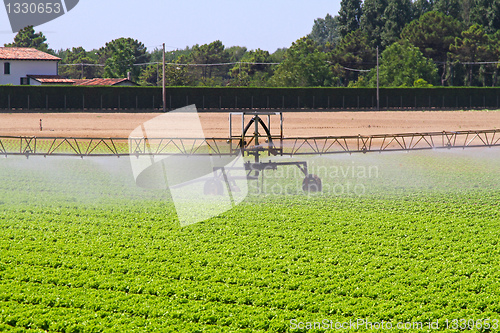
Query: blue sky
x=255 y=24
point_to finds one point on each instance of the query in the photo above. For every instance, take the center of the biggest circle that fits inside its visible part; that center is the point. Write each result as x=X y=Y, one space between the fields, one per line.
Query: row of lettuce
x=121 y=262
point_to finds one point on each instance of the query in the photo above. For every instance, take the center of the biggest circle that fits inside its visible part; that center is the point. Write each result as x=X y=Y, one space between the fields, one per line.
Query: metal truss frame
x=83 y=147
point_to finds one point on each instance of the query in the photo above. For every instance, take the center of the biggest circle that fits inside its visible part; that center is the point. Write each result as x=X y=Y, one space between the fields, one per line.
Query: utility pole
x=378 y=88
x=164 y=93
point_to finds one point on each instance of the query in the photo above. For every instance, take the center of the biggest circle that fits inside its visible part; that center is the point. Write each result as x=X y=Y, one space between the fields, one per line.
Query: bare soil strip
x=296 y=124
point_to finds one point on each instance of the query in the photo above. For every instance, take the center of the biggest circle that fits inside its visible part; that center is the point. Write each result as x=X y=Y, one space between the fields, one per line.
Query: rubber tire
x=213 y=187
x=312 y=183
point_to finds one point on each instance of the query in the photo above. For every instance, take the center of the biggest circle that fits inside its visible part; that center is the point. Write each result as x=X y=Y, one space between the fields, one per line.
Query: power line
x=177 y=64
x=101 y=65
x=468 y=62
x=216 y=64
x=230 y=63
x=356 y=70
x=480 y=63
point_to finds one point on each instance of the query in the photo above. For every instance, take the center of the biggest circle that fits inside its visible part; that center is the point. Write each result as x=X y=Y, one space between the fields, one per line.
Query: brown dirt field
x=301 y=124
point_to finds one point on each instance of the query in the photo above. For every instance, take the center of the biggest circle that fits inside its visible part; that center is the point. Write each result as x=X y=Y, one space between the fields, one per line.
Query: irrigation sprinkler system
x=256 y=140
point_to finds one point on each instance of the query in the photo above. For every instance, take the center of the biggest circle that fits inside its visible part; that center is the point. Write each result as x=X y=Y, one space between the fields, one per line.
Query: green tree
x=151 y=75
x=397 y=14
x=170 y=55
x=210 y=54
x=236 y=53
x=466 y=6
x=326 y=31
x=176 y=74
x=420 y=7
x=252 y=71
x=28 y=38
x=421 y=83
x=474 y=46
x=372 y=21
x=402 y=64
x=120 y=55
x=349 y=16
x=487 y=14
x=451 y=8
x=495 y=55
x=304 y=66
x=433 y=33
x=279 y=55
x=74 y=63
x=354 y=53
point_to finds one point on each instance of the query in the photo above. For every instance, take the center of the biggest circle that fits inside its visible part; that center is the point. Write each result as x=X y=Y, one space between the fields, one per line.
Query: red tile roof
x=79 y=82
x=51 y=79
x=100 y=82
x=24 y=53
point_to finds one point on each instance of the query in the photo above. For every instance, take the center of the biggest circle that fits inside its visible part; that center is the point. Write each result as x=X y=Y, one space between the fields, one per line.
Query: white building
x=22 y=65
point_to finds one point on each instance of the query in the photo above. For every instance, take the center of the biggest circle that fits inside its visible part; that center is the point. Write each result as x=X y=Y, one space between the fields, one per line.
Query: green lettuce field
x=408 y=238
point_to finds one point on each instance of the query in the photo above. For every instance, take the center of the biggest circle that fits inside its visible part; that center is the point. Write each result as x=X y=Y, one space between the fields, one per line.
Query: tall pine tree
x=372 y=20
x=354 y=51
x=420 y=7
x=28 y=38
x=397 y=14
x=474 y=46
x=325 y=30
x=467 y=6
x=451 y=8
x=487 y=14
x=433 y=33
x=349 y=16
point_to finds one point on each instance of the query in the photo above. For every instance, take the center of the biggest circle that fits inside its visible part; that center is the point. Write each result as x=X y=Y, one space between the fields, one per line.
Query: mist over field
x=95 y=180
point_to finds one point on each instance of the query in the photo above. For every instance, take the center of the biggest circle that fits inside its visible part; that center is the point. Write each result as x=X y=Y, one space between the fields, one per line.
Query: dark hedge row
x=131 y=99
